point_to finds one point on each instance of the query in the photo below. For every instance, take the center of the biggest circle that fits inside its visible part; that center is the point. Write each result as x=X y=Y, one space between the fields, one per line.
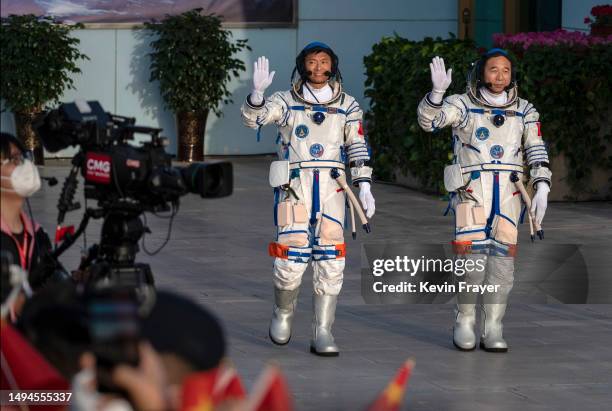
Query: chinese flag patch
x=360 y=131
x=539 y=129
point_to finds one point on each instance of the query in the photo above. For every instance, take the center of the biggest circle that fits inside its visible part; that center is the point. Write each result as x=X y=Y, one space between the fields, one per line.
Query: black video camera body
x=115 y=169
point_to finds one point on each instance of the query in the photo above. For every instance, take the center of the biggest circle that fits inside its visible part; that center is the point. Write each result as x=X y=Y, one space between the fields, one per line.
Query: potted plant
x=192 y=58
x=601 y=24
x=37 y=58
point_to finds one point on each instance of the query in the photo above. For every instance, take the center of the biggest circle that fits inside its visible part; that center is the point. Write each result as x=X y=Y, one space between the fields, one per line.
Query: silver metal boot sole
x=322 y=342
x=492 y=339
x=464 y=337
x=285 y=302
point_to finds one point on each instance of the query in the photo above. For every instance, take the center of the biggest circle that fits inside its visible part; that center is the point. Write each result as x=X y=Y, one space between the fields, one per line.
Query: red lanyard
x=23 y=251
x=23 y=248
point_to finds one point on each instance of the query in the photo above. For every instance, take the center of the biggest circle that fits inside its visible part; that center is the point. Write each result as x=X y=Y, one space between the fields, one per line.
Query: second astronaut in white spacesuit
x=494 y=133
x=319 y=130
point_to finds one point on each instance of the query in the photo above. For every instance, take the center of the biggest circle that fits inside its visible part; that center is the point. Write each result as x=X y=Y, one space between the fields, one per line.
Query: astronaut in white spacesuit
x=319 y=131
x=494 y=133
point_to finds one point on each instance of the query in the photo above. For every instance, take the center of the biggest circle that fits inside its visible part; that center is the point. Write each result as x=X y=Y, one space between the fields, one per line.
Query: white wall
x=118 y=76
x=574 y=11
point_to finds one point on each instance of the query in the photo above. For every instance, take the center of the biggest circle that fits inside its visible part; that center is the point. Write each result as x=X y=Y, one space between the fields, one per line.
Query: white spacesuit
x=320 y=130
x=493 y=135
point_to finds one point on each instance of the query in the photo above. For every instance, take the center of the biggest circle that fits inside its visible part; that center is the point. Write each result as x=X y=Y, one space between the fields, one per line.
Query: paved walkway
x=560 y=356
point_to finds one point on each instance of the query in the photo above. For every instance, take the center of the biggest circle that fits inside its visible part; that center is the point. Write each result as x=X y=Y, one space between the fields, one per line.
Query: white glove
x=440 y=78
x=262 y=79
x=539 y=202
x=367 y=199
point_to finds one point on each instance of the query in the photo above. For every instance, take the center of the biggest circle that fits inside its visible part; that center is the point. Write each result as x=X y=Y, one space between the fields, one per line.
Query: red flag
x=391 y=398
x=197 y=391
x=228 y=386
x=360 y=131
x=270 y=392
x=24 y=368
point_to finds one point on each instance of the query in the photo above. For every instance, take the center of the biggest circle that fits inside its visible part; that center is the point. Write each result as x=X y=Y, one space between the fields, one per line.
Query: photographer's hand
x=146 y=384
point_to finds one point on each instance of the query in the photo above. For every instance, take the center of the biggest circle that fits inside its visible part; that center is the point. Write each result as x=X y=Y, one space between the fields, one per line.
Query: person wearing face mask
x=22 y=238
x=320 y=129
x=495 y=134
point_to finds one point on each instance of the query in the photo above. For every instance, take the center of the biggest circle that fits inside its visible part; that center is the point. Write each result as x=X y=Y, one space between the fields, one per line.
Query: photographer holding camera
x=22 y=238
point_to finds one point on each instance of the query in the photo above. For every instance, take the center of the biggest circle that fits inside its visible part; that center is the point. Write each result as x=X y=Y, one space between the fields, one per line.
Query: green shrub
x=398 y=77
x=38 y=58
x=193 y=59
x=571 y=87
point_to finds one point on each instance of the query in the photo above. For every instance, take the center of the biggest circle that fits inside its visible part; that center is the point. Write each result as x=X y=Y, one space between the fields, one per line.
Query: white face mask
x=25 y=179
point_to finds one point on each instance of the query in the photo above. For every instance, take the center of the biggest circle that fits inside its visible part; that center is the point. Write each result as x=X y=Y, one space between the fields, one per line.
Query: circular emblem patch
x=482 y=133
x=316 y=150
x=497 y=151
x=318 y=117
x=301 y=131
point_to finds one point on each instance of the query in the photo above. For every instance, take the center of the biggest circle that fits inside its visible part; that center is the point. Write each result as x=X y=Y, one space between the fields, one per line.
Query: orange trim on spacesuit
x=462 y=247
x=278 y=250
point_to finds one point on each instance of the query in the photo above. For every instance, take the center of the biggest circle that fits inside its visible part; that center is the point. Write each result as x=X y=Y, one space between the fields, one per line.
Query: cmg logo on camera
x=98 y=168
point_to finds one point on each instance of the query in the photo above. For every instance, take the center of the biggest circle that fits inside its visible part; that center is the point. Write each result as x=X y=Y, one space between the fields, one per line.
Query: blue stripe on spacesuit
x=539 y=157
x=522 y=217
x=537 y=152
x=332 y=219
x=450 y=201
x=298 y=254
x=333 y=252
x=328 y=110
x=496 y=111
x=535 y=146
x=533 y=159
x=495 y=202
x=293 y=232
x=354 y=106
x=315 y=198
x=507 y=218
x=470 y=231
x=276 y=195
x=471 y=147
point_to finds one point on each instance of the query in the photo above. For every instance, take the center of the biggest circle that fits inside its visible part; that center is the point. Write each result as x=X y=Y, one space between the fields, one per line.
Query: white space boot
x=322 y=342
x=285 y=302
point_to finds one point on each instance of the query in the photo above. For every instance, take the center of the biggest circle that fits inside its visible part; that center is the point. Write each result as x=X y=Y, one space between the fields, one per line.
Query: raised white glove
x=262 y=79
x=367 y=199
x=440 y=78
x=539 y=202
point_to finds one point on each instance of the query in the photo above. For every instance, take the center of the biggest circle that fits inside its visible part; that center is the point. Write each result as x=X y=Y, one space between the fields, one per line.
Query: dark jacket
x=40 y=263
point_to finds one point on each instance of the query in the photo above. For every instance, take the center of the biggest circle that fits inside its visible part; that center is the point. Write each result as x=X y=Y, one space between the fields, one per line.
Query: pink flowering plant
x=522 y=41
x=566 y=75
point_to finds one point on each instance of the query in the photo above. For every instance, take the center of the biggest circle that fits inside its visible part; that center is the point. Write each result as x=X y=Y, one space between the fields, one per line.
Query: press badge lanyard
x=23 y=248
